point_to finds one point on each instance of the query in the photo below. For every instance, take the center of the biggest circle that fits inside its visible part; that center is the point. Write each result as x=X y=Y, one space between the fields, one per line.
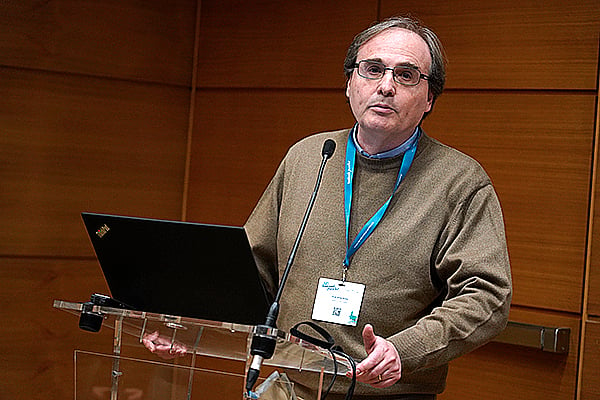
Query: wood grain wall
x=102 y=109
x=94 y=105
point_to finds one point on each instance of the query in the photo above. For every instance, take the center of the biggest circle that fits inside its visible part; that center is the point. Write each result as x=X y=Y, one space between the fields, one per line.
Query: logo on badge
x=352 y=318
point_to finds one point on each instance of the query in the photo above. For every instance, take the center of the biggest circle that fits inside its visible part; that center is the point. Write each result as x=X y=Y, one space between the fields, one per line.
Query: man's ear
x=429 y=100
x=348 y=88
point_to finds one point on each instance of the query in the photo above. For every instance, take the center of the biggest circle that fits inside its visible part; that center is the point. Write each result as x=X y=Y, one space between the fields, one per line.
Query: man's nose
x=387 y=85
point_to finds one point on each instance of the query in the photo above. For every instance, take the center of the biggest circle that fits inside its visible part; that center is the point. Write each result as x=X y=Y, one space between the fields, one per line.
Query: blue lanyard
x=372 y=223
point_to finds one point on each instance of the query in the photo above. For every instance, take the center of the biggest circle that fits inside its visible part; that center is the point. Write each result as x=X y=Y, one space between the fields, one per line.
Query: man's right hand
x=162 y=347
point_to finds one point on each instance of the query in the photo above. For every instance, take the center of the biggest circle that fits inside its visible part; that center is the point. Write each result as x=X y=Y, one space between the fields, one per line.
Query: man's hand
x=161 y=346
x=382 y=367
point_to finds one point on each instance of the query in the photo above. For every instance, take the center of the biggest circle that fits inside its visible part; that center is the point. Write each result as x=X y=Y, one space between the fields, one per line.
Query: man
x=408 y=229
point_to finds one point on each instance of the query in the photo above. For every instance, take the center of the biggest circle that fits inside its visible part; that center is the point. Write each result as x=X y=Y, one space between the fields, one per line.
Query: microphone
x=328 y=149
x=263 y=341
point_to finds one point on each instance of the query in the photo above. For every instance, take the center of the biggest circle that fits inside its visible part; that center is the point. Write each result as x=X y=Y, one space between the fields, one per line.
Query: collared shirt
x=396 y=151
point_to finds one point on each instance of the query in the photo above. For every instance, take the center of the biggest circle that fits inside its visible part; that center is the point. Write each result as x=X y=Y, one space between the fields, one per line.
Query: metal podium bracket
x=549 y=339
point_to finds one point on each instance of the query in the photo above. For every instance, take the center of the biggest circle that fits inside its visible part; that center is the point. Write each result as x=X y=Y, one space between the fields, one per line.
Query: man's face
x=386 y=111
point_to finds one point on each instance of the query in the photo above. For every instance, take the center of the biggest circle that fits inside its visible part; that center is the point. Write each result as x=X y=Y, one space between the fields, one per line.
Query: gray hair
x=437 y=75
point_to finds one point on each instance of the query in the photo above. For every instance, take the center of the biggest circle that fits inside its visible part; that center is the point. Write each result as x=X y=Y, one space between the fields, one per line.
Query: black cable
x=350 y=391
x=333 y=378
x=329 y=345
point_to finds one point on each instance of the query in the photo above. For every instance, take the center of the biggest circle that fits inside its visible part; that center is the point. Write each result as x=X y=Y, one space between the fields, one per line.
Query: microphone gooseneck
x=263 y=342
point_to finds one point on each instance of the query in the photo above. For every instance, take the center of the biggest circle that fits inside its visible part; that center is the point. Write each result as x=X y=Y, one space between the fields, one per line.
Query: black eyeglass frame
x=393 y=69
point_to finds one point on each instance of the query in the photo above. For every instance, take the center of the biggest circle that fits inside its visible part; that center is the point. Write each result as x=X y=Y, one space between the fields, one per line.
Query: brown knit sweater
x=436 y=269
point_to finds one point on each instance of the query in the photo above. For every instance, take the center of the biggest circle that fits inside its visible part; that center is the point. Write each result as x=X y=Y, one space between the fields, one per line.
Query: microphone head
x=328 y=148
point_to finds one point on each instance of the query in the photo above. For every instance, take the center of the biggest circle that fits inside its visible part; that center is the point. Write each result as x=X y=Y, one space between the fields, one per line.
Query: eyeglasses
x=404 y=75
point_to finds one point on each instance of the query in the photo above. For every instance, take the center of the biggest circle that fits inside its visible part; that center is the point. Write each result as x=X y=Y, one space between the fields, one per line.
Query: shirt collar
x=396 y=151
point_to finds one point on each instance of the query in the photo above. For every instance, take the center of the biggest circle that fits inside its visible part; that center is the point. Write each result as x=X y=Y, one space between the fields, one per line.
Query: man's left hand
x=382 y=367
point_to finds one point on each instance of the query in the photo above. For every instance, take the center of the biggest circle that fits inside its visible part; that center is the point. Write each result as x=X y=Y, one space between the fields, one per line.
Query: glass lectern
x=218 y=356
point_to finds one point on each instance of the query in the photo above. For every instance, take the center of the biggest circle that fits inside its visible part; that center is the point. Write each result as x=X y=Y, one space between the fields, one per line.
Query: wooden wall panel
x=36 y=350
x=502 y=371
x=591 y=361
x=516 y=44
x=539 y=158
x=71 y=144
x=148 y=40
x=594 y=275
x=240 y=136
x=594 y=256
x=295 y=44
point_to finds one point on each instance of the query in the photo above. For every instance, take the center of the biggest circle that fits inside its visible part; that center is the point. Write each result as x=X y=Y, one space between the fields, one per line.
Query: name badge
x=338 y=302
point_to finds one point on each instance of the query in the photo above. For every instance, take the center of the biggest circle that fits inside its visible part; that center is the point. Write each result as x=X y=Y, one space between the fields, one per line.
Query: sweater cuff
x=411 y=348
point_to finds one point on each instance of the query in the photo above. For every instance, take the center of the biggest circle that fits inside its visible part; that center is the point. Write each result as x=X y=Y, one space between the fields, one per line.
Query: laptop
x=178 y=268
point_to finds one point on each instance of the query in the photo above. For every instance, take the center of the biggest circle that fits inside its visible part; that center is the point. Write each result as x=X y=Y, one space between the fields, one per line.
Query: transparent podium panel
x=216 y=356
x=97 y=379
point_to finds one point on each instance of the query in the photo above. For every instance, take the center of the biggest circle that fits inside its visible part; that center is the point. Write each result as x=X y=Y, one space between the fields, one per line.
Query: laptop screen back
x=179 y=268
